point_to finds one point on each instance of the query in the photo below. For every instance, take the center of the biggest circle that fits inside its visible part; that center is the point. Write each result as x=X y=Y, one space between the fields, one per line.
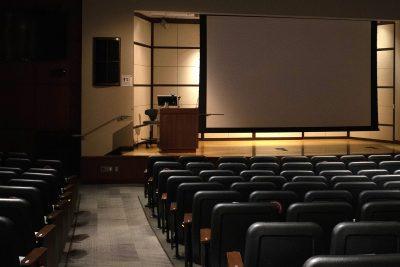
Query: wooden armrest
x=173 y=206
x=205 y=235
x=72 y=178
x=61 y=204
x=53 y=216
x=187 y=218
x=35 y=256
x=66 y=195
x=69 y=187
x=234 y=259
x=164 y=196
x=150 y=179
x=45 y=231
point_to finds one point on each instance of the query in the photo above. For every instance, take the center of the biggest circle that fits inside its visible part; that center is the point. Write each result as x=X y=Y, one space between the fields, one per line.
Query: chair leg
x=167 y=224
x=158 y=215
x=188 y=245
x=176 y=227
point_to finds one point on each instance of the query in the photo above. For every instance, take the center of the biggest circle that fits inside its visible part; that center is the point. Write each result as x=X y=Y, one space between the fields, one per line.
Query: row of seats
x=37 y=204
x=174 y=185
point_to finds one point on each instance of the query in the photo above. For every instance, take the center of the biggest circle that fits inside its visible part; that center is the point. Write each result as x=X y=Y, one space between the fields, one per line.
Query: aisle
x=112 y=230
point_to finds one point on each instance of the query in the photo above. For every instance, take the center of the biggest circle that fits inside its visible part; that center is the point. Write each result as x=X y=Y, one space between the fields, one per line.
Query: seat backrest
x=226 y=181
x=325 y=166
x=248 y=174
x=164 y=165
x=381 y=211
x=49 y=178
x=281 y=244
x=315 y=178
x=329 y=196
x=355 y=188
x=18 y=171
x=193 y=158
x=153 y=159
x=203 y=204
x=349 y=178
x=172 y=185
x=294 y=159
x=6 y=176
x=257 y=159
x=301 y=188
x=236 y=167
x=21 y=163
x=391 y=165
x=206 y=174
x=380 y=157
x=317 y=159
x=387 y=260
x=392 y=185
x=325 y=214
x=297 y=166
x=165 y=174
x=372 y=172
x=52 y=163
x=8 y=250
x=378 y=195
x=380 y=180
x=268 y=166
x=284 y=198
x=229 y=224
x=18 y=155
x=232 y=159
x=275 y=179
x=356 y=166
x=328 y=174
x=350 y=158
x=197 y=167
x=289 y=174
x=351 y=238
x=246 y=188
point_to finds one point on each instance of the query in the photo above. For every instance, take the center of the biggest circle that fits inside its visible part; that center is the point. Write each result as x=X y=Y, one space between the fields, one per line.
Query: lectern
x=179 y=129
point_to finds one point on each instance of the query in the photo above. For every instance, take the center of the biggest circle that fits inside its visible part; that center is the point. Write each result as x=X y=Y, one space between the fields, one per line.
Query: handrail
x=118 y=118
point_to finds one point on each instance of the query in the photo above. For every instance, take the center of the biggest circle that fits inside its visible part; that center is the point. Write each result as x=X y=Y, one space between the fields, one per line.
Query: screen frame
x=203 y=93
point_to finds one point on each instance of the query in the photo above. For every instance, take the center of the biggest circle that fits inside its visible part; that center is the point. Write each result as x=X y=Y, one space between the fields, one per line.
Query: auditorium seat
x=329 y=196
x=48 y=178
x=356 y=166
x=301 y=188
x=286 y=159
x=278 y=181
x=18 y=155
x=317 y=159
x=372 y=172
x=257 y=159
x=378 y=195
x=349 y=238
x=197 y=167
x=381 y=211
x=392 y=185
x=355 y=188
x=316 y=178
x=289 y=174
x=346 y=159
x=380 y=180
x=390 y=166
x=21 y=163
x=193 y=158
x=229 y=225
x=206 y=174
x=380 y=157
x=6 y=176
x=325 y=166
x=349 y=178
x=297 y=166
x=283 y=198
x=235 y=167
x=203 y=204
x=232 y=159
x=8 y=250
x=325 y=214
x=268 y=166
x=280 y=244
x=18 y=171
x=328 y=174
x=246 y=188
x=226 y=181
x=248 y=174
x=386 y=260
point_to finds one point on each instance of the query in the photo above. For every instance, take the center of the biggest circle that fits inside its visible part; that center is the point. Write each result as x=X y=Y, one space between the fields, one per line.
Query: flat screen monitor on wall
x=287 y=74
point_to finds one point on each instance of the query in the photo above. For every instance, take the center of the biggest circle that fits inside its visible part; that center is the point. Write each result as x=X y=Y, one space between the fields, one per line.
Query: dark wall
x=40 y=100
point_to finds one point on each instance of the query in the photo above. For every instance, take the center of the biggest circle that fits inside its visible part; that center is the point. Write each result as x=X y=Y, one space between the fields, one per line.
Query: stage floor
x=280 y=148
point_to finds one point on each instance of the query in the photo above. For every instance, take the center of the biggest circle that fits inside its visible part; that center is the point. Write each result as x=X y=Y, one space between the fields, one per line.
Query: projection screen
x=278 y=74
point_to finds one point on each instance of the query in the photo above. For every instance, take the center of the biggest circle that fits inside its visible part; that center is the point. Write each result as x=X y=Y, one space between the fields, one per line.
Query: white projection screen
x=285 y=74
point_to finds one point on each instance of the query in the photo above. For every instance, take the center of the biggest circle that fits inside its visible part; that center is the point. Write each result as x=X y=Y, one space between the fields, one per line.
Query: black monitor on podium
x=167 y=100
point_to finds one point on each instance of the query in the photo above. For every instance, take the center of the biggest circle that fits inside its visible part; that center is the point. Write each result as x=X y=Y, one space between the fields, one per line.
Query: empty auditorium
x=187 y=133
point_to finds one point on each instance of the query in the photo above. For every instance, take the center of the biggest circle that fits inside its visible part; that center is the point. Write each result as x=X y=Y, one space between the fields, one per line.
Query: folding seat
x=386 y=260
x=392 y=185
x=372 y=172
x=346 y=159
x=197 y=167
x=289 y=174
x=355 y=188
x=325 y=214
x=283 y=198
x=23 y=164
x=184 y=203
x=50 y=163
x=259 y=159
x=325 y=166
x=8 y=251
x=330 y=173
x=329 y=196
x=297 y=166
x=232 y=159
x=236 y=167
x=6 y=176
x=18 y=171
x=349 y=238
x=396 y=157
x=203 y=204
x=315 y=178
x=356 y=166
x=49 y=178
x=248 y=174
x=317 y=159
x=279 y=244
x=226 y=181
x=268 y=166
x=18 y=211
x=295 y=159
x=246 y=188
x=301 y=188
x=18 y=155
x=206 y=174
x=349 y=179
x=390 y=166
x=381 y=211
x=380 y=180
x=380 y=157
x=193 y=158
x=278 y=181
x=378 y=195
x=229 y=224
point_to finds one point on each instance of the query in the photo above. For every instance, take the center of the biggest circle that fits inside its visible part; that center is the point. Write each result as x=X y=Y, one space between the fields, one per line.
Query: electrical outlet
x=106 y=169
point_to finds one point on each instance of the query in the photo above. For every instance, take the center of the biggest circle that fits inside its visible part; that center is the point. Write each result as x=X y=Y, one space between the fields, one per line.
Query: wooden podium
x=179 y=129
